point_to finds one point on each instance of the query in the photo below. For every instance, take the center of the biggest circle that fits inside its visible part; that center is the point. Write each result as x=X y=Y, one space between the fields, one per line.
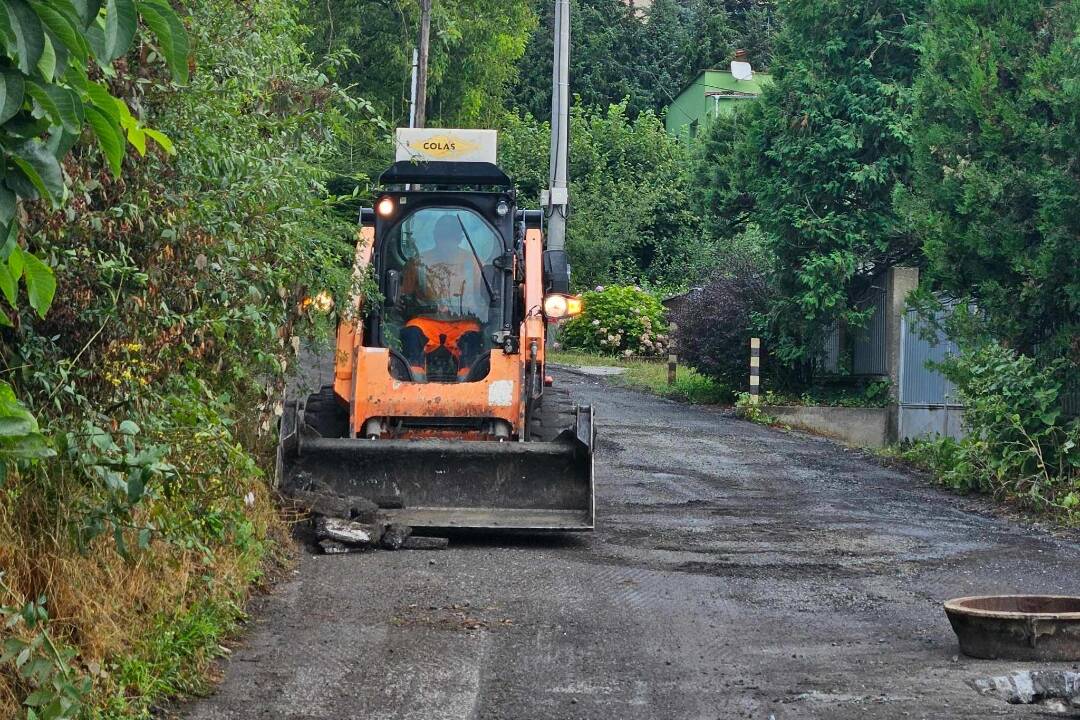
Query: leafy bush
x=618 y=319
x=157 y=371
x=1018 y=444
x=631 y=220
x=714 y=326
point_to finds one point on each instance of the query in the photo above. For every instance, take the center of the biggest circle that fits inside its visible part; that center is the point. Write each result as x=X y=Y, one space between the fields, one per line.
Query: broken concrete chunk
x=323 y=504
x=1052 y=688
x=395 y=536
x=419 y=542
x=333 y=547
x=346 y=531
x=363 y=510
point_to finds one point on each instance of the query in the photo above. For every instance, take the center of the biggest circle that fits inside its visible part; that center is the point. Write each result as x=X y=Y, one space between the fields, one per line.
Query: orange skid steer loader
x=439 y=410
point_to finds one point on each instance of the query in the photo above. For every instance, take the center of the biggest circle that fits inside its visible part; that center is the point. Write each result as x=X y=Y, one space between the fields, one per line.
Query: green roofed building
x=711 y=93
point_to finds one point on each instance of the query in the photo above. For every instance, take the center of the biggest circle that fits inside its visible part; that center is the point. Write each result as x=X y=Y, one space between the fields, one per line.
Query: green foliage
x=172 y=660
x=618 y=320
x=696 y=389
x=475 y=46
x=722 y=170
x=1019 y=445
x=20 y=437
x=159 y=367
x=853 y=393
x=750 y=408
x=122 y=474
x=47 y=96
x=630 y=206
x=830 y=145
x=58 y=690
x=996 y=187
x=620 y=54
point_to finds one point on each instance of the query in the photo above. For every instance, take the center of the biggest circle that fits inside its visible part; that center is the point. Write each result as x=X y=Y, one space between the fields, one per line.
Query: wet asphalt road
x=736 y=572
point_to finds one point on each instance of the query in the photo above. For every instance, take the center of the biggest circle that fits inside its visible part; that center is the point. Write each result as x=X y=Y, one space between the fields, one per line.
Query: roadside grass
x=146 y=628
x=652 y=376
x=173 y=656
x=173 y=660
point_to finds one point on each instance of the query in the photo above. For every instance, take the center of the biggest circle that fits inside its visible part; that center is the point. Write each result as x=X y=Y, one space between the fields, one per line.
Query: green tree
x=631 y=219
x=723 y=162
x=619 y=54
x=755 y=24
x=603 y=35
x=829 y=148
x=996 y=191
x=710 y=35
x=475 y=46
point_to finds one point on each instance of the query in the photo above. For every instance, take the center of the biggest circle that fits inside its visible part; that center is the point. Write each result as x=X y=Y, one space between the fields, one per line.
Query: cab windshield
x=445 y=310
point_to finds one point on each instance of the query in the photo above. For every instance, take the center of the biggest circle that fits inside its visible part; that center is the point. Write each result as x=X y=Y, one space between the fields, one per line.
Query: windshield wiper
x=476 y=256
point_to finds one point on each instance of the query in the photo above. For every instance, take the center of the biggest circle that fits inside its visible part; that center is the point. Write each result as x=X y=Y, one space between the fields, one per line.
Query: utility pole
x=420 y=103
x=557 y=194
x=412 y=89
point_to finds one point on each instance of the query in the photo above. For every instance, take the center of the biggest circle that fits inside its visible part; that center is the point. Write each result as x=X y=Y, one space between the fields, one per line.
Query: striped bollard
x=755 y=369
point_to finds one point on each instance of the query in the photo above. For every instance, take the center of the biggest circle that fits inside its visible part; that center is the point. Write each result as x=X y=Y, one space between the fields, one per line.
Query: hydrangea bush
x=618 y=320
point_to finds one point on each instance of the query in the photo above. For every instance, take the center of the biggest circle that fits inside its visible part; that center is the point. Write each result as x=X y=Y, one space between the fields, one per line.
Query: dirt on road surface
x=735 y=572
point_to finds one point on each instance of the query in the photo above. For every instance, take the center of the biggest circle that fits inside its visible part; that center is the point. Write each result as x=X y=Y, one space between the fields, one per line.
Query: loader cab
x=445 y=262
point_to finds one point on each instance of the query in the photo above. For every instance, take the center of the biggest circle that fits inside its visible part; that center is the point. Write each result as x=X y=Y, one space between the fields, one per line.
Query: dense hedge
x=158 y=370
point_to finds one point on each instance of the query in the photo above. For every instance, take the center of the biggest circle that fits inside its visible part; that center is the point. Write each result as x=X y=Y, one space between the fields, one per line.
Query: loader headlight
x=385 y=207
x=323 y=302
x=502 y=208
x=558 y=306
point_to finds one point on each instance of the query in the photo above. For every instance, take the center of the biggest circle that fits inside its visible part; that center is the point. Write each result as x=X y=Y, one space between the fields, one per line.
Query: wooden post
x=755 y=367
x=672 y=361
x=422 y=64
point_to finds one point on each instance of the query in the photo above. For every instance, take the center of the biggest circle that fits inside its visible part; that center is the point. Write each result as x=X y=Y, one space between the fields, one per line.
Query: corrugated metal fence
x=928 y=401
x=868 y=342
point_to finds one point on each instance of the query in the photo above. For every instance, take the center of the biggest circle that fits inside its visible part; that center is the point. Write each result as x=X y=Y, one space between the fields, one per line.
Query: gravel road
x=736 y=572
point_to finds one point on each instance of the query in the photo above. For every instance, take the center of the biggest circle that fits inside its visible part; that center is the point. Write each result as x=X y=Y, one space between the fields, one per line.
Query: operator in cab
x=445 y=291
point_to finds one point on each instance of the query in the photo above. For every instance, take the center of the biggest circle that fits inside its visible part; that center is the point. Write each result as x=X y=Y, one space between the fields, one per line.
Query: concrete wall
x=859 y=427
x=927 y=421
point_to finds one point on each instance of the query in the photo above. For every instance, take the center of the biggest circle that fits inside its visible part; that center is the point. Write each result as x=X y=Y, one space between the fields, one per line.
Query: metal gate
x=928 y=400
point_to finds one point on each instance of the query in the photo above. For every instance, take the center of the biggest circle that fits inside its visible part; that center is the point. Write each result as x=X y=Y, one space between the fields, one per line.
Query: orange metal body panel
x=362 y=375
x=379 y=395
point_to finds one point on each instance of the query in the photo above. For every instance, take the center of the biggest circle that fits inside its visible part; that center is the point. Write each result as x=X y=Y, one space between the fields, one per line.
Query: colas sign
x=420 y=144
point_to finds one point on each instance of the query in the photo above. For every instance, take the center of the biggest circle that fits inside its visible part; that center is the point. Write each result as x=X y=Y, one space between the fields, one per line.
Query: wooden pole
x=672 y=364
x=755 y=367
x=422 y=63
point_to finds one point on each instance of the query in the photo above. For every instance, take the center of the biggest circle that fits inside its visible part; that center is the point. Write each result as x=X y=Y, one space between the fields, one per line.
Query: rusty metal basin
x=1017 y=627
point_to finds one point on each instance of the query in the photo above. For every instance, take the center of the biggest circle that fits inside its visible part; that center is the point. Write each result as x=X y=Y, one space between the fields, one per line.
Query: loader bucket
x=455 y=484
